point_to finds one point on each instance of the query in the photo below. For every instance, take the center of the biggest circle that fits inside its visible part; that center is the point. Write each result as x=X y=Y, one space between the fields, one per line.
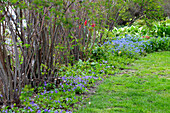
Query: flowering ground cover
x=134 y=47
x=129 y=46
x=70 y=90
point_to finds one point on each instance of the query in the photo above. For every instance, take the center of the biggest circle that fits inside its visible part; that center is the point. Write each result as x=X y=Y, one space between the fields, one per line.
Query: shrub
x=157 y=44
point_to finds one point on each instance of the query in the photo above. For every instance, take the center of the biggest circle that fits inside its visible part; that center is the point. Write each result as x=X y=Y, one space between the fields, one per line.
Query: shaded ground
x=143 y=87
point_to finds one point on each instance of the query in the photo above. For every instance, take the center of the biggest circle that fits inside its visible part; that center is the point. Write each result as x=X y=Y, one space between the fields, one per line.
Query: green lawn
x=143 y=87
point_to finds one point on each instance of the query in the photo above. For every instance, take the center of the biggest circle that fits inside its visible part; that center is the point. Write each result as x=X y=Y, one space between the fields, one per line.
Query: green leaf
x=27 y=45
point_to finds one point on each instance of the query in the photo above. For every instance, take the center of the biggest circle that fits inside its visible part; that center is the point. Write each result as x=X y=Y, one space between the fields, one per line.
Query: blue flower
x=45 y=110
x=39 y=111
x=56 y=91
x=45 y=84
x=31 y=110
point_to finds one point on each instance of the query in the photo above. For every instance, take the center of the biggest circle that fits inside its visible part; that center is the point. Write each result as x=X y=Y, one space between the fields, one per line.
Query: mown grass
x=143 y=87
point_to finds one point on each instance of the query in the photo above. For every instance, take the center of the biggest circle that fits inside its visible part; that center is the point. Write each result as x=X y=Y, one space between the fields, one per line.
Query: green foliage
x=164 y=29
x=27 y=92
x=158 y=44
x=99 y=53
x=139 y=28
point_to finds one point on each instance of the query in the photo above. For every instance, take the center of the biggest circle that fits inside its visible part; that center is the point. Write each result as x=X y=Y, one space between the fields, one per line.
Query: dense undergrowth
x=69 y=91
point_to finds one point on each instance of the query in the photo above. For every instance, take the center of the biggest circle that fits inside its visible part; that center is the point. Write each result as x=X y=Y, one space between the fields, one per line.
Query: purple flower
x=45 y=110
x=51 y=92
x=31 y=110
x=67 y=99
x=95 y=77
x=104 y=61
x=39 y=111
x=32 y=102
x=38 y=107
x=12 y=106
x=56 y=91
x=102 y=71
x=45 y=84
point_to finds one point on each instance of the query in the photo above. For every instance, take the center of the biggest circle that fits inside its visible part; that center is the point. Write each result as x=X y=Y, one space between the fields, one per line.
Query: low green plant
x=157 y=44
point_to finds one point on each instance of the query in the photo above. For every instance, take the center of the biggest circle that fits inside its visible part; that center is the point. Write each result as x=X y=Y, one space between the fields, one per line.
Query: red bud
x=85 y=23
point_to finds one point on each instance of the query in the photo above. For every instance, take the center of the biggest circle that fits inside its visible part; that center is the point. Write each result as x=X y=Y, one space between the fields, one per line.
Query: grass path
x=143 y=87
